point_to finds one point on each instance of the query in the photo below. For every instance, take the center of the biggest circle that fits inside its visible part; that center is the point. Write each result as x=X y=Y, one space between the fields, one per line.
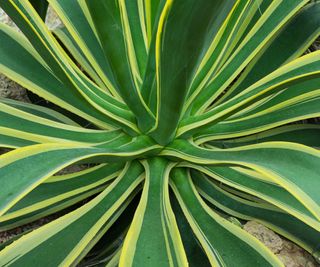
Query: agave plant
x=183 y=112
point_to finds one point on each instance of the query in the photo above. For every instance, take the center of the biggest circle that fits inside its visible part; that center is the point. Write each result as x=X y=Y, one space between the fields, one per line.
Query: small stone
x=289 y=253
x=293 y=256
x=52 y=20
x=265 y=235
x=12 y=90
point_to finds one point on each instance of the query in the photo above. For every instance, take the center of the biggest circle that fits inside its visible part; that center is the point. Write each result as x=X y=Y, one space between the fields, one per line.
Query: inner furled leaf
x=111 y=22
x=180 y=39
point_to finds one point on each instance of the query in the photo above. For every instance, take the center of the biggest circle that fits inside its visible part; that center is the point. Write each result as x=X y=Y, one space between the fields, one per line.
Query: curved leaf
x=80 y=226
x=277 y=161
x=223 y=242
x=153 y=237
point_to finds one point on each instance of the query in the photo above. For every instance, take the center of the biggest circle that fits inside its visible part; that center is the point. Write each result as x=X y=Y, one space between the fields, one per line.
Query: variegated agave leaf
x=195 y=112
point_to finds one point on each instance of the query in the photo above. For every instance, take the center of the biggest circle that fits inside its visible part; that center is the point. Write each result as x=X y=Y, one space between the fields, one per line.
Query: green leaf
x=176 y=58
x=283 y=163
x=40 y=111
x=257 y=123
x=305 y=134
x=79 y=227
x=76 y=19
x=238 y=16
x=62 y=187
x=18 y=179
x=299 y=70
x=272 y=217
x=193 y=249
x=59 y=62
x=289 y=44
x=36 y=129
x=224 y=243
x=21 y=63
x=113 y=31
x=260 y=186
x=153 y=238
x=41 y=6
x=277 y=14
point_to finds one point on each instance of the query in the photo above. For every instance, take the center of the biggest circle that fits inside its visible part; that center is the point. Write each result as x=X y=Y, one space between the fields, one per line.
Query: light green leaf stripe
x=257 y=124
x=305 y=134
x=153 y=238
x=81 y=226
x=306 y=67
x=284 y=163
x=223 y=242
x=277 y=14
x=15 y=185
x=76 y=22
x=61 y=187
x=273 y=218
x=259 y=186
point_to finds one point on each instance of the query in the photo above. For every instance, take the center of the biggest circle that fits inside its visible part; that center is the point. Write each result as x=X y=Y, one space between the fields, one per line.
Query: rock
x=52 y=19
x=289 y=253
x=6 y=20
x=11 y=89
x=293 y=256
x=265 y=235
